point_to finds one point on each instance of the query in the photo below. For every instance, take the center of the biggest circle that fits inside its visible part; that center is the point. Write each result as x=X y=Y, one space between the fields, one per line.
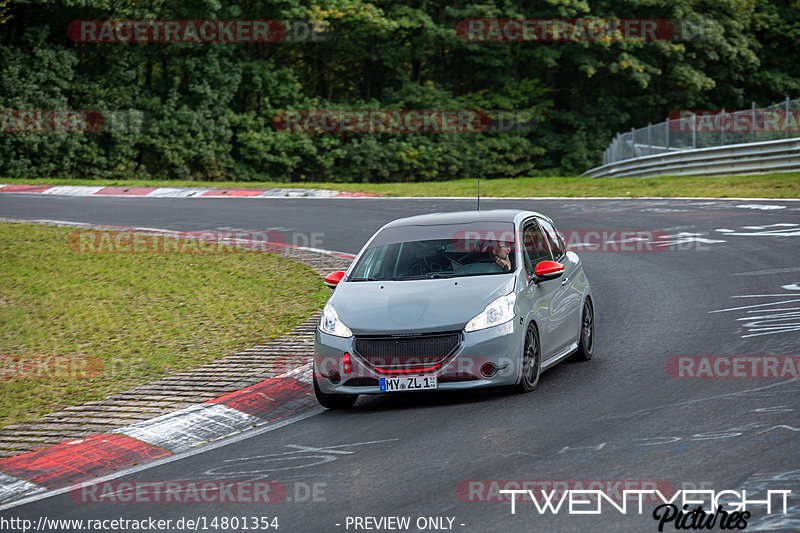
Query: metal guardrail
x=694 y=134
x=745 y=158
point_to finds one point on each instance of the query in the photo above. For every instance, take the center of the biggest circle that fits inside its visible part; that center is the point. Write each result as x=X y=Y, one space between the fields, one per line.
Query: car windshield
x=463 y=253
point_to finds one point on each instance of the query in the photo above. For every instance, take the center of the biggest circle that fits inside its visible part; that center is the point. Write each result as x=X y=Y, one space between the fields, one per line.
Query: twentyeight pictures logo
x=685 y=509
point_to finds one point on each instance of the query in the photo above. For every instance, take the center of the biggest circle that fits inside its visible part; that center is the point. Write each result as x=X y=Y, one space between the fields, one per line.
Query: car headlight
x=499 y=311
x=330 y=323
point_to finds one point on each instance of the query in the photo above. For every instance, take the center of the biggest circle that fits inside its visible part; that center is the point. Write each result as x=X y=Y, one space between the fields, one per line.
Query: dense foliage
x=208 y=108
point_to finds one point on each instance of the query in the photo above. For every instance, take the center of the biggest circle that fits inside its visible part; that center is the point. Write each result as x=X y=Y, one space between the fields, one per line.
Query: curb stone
x=177 y=192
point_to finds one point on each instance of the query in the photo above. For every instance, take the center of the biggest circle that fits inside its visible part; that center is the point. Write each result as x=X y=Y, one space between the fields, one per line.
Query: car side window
x=535 y=246
x=556 y=242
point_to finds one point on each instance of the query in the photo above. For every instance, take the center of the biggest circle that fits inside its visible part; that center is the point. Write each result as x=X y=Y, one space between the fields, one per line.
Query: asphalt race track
x=722 y=280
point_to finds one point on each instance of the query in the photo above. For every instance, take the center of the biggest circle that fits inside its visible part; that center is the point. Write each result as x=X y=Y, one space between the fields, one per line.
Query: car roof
x=464 y=217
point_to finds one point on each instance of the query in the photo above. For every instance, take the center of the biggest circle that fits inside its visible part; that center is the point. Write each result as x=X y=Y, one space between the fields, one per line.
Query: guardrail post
x=721 y=123
x=649 y=138
x=786 y=120
x=666 y=135
x=753 y=122
x=616 y=147
x=694 y=130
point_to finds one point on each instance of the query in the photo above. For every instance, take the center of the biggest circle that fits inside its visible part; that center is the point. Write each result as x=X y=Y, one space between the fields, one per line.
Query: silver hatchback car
x=453 y=301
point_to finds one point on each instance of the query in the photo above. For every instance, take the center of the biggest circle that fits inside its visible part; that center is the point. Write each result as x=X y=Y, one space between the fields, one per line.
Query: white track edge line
x=345 y=197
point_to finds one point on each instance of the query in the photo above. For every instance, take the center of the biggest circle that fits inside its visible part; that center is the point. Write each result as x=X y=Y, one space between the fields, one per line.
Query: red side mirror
x=333 y=279
x=548 y=270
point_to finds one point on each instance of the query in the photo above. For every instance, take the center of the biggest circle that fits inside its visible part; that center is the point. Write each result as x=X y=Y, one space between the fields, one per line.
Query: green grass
x=778 y=185
x=141 y=315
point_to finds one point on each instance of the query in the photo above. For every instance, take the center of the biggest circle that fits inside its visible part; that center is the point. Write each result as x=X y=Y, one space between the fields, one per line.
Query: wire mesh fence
x=690 y=129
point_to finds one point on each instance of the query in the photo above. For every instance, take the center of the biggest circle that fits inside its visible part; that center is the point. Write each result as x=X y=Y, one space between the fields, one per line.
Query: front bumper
x=500 y=345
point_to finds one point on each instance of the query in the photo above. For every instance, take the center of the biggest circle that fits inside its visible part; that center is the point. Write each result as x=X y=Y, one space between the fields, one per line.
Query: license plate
x=408 y=384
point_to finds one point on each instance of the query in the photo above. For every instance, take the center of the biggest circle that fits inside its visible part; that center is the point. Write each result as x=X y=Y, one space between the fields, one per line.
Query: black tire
x=333 y=401
x=586 y=339
x=531 y=362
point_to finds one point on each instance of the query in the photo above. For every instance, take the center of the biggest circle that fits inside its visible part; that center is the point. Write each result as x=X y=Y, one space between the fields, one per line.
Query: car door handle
x=566 y=280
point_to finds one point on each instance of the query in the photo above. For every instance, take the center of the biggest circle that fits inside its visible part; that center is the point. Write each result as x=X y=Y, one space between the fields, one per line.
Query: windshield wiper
x=430 y=275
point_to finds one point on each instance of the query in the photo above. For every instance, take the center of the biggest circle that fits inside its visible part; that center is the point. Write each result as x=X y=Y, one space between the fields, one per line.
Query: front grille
x=407 y=352
x=446 y=378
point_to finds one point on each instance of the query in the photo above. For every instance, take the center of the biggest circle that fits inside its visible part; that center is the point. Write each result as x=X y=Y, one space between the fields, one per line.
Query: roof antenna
x=479 y=194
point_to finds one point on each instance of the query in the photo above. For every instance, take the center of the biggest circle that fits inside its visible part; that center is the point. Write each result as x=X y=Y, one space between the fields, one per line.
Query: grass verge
x=778 y=185
x=100 y=323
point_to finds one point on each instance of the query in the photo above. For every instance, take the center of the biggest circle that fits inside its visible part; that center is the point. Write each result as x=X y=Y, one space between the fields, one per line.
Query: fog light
x=334 y=376
x=488 y=370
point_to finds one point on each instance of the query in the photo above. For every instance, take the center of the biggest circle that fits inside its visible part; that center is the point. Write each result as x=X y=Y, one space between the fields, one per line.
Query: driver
x=501 y=254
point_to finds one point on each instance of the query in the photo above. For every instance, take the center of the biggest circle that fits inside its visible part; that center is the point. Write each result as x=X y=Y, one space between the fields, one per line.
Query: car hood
x=447 y=304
